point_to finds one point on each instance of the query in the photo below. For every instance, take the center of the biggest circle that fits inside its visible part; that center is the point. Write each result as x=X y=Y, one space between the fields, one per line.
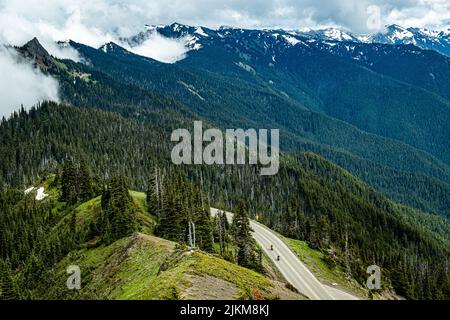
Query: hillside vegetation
x=398 y=161
x=139 y=266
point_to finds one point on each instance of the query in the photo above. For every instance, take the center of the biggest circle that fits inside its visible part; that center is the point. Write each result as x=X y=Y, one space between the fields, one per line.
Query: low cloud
x=88 y=25
x=161 y=48
x=17 y=30
x=22 y=84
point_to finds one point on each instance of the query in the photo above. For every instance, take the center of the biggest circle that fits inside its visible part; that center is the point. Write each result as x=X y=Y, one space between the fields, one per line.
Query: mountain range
x=316 y=94
x=391 y=97
x=392 y=34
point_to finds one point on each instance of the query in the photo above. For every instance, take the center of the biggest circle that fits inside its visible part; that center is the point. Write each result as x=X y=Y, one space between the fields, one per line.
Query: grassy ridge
x=144 y=267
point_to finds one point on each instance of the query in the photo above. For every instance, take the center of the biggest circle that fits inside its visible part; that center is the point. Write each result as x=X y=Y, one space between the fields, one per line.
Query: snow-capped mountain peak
x=113 y=47
x=201 y=32
x=398 y=33
x=421 y=37
x=197 y=37
x=339 y=35
x=329 y=34
x=291 y=40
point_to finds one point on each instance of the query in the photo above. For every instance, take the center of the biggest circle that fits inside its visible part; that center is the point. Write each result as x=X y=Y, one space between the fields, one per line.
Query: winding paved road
x=290 y=266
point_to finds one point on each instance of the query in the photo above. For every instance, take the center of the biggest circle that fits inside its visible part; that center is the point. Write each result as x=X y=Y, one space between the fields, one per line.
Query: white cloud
x=432 y=14
x=22 y=84
x=161 y=48
x=95 y=22
x=17 y=30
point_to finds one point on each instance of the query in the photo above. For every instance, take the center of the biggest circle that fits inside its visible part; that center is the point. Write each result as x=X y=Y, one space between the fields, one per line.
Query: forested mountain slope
x=242 y=103
x=310 y=199
x=136 y=266
x=399 y=106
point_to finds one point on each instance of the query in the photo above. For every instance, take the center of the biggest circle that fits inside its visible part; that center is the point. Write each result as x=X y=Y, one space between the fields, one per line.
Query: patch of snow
x=40 y=194
x=430 y=33
x=191 y=42
x=176 y=27
x=153 y=27
x=201 y=32
x=107 y=47
x=330 y=44
x=337 y=35
x=192 y=90
x=291 y=40
x=400 y=34
x=29 y=190
x=246 y=67
x=349 y=48
x=365 y=38
x=197 y=46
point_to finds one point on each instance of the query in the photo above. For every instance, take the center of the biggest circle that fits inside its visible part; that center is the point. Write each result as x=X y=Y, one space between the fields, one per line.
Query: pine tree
x=243 y=240
x=8 y=286
x=154 y=194
x=222 y=232
x=202 y=220
x=292 y=215
x=76 y=182
x=172 y=223
x=69 y=183
x=73 y=224
x=85 y=188
x=119 y=214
